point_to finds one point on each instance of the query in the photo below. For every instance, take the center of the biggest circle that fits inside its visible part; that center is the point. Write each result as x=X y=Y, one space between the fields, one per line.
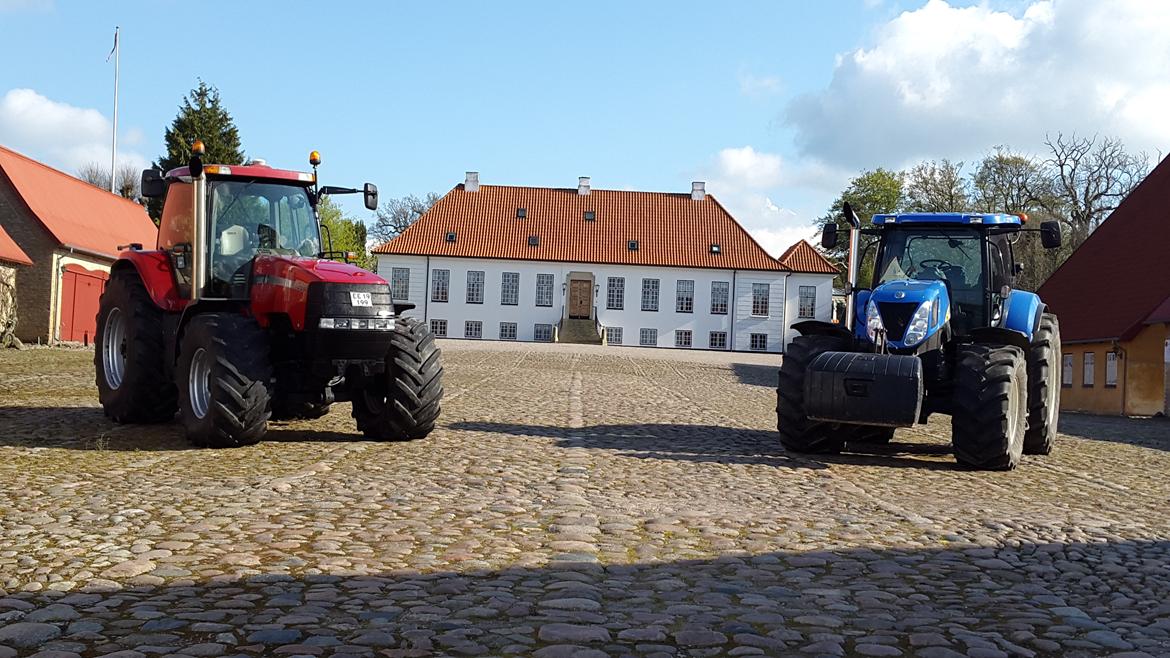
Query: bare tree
x=396 y=215
x=1010 y=182
x=1090 y=177
x=129 y=182
x=936 y=186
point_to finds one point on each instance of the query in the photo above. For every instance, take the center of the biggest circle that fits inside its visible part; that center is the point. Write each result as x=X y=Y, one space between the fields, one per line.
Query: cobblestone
x=572 y=502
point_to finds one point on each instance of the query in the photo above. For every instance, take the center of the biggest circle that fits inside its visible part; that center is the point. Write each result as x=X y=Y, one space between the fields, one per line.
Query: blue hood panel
x=910 y=291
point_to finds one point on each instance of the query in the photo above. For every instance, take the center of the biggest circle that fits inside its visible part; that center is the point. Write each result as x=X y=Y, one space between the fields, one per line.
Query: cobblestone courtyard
x=600 y=502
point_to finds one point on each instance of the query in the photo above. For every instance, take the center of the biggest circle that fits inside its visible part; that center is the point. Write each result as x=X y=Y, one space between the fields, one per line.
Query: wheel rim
x=114 y=348
x=199 y=383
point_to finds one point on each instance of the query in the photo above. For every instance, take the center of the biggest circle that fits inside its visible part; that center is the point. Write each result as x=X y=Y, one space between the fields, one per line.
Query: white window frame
x=439 y=328
x=1066 y=373
x=475 y=279
x=615 y=293
x=544 y=290
x=472 y=329
x=807 y=307
x=510 y=289
x=684 y=296
x=648 y=337
x=650 y=288
x=714 y=344
x=613 y=335
x=752 y=342
x=1111 y=370
x=1088 y=369
x=760 y=294
x=720 y=294
x=684 y=338
x=400 y=283
x=507 y=331
x=440 y=285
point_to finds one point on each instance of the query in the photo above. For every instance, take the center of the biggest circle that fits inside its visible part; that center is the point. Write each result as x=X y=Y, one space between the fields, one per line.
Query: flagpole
x=114 y=142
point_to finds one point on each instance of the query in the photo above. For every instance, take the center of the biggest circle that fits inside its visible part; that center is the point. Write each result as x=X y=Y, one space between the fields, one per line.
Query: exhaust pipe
x=851 y=275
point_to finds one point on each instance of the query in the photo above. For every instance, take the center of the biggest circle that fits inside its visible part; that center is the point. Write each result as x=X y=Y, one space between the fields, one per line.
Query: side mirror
x=1050 y=234
x=153 y=184
x=829 y=236
x=370 y=191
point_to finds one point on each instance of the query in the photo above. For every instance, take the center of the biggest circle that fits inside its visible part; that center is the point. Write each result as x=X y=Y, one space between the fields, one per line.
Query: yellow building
x=1113 y=300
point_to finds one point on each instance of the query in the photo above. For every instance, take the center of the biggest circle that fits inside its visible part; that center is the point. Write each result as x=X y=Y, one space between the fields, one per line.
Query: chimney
x=583 y=185
x=698 y=190
x=471 y=183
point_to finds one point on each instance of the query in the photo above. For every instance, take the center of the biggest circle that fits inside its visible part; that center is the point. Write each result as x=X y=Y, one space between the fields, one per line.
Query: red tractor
x=240 y=316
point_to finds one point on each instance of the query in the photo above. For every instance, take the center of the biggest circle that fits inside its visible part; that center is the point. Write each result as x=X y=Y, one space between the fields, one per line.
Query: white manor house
x=580 y=265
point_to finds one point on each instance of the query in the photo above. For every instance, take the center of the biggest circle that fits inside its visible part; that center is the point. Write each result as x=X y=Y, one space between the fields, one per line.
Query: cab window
x=176 y=226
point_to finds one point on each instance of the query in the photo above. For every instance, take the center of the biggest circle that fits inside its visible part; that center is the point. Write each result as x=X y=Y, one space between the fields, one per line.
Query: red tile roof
x=10 y=251
x=1160 y=314
x=803 y=257
x=1120 y=275
x=76 y=213
x=671 y=229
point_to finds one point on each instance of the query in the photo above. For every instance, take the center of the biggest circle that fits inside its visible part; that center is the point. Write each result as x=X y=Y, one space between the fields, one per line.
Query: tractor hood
x=303 y=289
x=910 y=311
x=310 y=270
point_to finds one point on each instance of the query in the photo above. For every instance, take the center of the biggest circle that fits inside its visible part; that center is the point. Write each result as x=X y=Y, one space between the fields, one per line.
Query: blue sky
x=775 y=104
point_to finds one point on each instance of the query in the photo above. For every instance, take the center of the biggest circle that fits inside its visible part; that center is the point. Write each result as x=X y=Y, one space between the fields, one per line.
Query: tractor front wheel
x=224 y=376
x=990 y=412
x=403 y=403
x=1043 y=387
x=129 y=354
x=797 y=432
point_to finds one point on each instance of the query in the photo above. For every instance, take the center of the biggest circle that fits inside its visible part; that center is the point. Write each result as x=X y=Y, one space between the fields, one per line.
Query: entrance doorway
x=580 y=298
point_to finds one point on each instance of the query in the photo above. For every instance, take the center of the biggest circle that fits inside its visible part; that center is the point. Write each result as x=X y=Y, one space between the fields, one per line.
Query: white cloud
x=759 y=85
x=945 y=81
x=17 y=5
x=61 y=135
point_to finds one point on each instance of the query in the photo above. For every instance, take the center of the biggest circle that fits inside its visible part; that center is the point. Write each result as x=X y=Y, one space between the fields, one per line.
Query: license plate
x=361 y=299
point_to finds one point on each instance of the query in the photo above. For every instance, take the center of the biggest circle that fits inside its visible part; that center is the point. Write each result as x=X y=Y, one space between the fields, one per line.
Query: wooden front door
x=580 y=298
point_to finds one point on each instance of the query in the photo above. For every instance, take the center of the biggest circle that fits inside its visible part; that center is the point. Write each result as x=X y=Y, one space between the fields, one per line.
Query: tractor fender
x=1022 y=313
x=1000 y=336
x=154 y=270
x=822 y=328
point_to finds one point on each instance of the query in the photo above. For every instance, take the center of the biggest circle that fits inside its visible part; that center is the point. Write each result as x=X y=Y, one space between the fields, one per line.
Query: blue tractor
x=941 y=330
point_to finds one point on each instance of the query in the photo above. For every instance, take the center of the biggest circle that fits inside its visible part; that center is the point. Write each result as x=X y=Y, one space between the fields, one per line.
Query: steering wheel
x=934 y=263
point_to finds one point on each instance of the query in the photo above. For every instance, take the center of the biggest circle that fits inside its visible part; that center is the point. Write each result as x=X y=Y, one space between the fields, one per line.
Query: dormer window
x=632 y=245
x=521 y=213
x=534 y=241
x=590 y=216
x=450 y=236
x=715 y=248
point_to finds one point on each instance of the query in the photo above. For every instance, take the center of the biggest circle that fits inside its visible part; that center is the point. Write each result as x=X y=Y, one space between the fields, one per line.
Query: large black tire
x=1044 y=364
x=129 y=354
x=403 y=405
x=990 y=409
x=797 y=432
x=224 y=379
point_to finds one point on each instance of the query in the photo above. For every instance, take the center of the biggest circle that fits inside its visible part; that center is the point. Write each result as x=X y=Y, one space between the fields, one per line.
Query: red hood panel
x=310 y=270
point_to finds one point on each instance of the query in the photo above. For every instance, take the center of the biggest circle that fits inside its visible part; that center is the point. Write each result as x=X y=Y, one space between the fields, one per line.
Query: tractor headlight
x=873 y=320
x=920 y=323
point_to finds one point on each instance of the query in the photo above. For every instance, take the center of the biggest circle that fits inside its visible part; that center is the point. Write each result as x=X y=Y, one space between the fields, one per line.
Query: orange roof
x=10 y=251
x=803 y=257
x=671 y=229
x=77 y=214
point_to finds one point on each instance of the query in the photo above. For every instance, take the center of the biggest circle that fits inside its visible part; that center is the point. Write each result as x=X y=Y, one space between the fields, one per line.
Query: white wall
x=631 y=318
x=824 y=300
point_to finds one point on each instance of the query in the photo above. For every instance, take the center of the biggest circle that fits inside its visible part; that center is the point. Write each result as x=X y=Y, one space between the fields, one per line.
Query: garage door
x=80 y=291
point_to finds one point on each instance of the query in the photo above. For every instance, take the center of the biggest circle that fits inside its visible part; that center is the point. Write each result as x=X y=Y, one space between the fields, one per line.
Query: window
x=400 y=283
x=1087 y=374
x=648 y=337
x=613 y=335
x=534 y=241
x=542 y=333
x=439 y=328
x=760 y=299
x=615 y=293
x=682 y=338
x=632 y=245
x=715 y=248
x=649 y=294
x=718 y=340
x=473 y=329
x=450 y=236
x=808 y=302
x=1111 y=369
x=684 y=296
x=439 y=283
x=759 y=342
x=590 y=215
x=475 y=287
x=544 y=290
x=510 y=289
x=507 y=331
x=521 y=213
x=1066 y=373
x=719 y=297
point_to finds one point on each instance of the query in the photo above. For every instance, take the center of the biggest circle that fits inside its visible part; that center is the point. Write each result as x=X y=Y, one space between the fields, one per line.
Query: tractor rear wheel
x=403 y=403
x=224 y=376
x=797 y=432
x=130 y=352
x=990 y=413
x=1043 y=387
